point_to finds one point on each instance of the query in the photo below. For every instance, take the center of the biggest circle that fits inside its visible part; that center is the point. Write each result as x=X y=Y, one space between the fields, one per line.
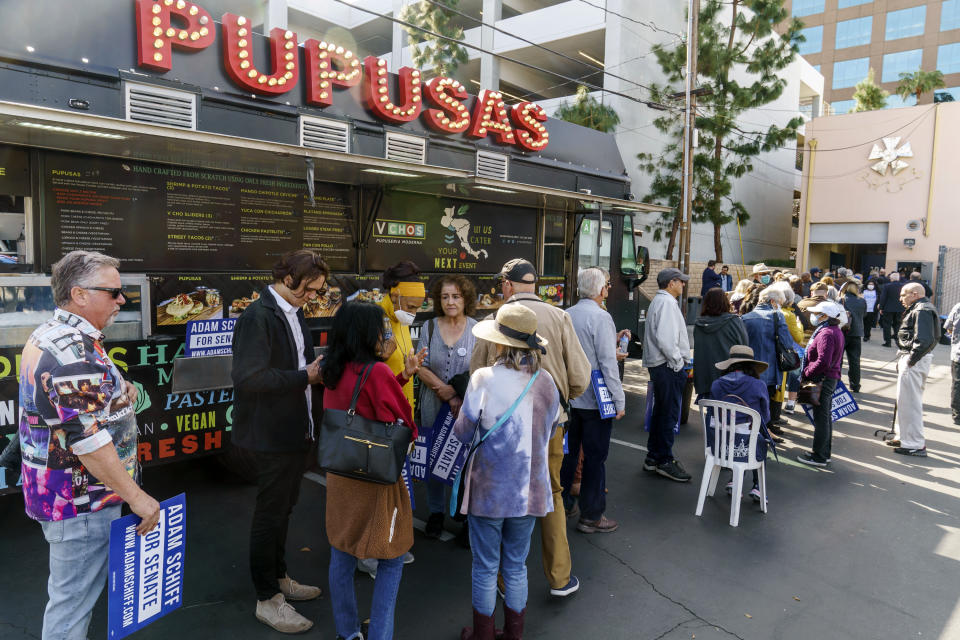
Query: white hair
x=590 y=282
x=783 y=286
x=894 y=277
x=771 y=294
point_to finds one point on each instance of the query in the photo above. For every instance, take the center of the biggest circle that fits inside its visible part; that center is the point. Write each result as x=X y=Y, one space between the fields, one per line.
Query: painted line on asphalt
x=624 y=443
x=418 y=524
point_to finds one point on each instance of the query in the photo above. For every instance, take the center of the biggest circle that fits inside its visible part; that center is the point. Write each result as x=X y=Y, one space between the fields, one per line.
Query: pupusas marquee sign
x=165 y=25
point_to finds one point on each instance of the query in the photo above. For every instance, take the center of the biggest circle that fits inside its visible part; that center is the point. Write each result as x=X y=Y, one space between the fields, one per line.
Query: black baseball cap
x=519 y=270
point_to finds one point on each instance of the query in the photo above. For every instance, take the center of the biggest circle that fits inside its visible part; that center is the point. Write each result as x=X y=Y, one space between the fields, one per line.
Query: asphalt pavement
x=868 y=548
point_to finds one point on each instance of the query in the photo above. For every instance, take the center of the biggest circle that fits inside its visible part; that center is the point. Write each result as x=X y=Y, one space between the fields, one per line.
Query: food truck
x=197 y=150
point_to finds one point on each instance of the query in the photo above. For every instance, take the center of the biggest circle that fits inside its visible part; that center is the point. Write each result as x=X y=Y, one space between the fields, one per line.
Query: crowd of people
x=539 y=387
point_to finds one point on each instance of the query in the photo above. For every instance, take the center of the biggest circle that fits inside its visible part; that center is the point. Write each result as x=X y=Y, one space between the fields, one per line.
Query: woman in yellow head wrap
x=406 y=294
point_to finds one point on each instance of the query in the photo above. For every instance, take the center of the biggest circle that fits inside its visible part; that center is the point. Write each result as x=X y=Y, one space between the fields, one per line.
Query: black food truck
x=197 y=150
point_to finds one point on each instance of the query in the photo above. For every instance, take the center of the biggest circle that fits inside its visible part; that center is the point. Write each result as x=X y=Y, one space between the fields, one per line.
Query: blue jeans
x=487 y=537
x=436 y=497
x=343 y=597
x=667 y=402
x=78 y=571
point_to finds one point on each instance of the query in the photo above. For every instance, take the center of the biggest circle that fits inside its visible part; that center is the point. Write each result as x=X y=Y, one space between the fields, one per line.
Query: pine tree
x=869 y=95
x=587 y=111
x=441 y=55
x=919 y=82
x=740 y=55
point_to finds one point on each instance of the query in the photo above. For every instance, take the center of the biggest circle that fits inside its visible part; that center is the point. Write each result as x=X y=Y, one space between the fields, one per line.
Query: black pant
x=823 y=422
x=668 y=402
x=278 y=487
x=589 y=430
x=853 y=347
x=955 y=395
x=869 y=322
x=890 y=321
x=775 y=406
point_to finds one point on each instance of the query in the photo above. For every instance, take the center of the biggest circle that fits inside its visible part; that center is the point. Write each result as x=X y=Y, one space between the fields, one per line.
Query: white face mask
x=870 y=286
x=404 y=317
x=816 y=318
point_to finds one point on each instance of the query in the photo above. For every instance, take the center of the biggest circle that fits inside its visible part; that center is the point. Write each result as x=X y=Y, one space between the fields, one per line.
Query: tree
x=918 y=83
x=587 y=111
x=438 y=16
x=869 y=95
x=739 y=56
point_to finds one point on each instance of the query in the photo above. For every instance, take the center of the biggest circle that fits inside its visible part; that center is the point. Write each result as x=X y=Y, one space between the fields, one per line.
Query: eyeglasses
x=114 y=293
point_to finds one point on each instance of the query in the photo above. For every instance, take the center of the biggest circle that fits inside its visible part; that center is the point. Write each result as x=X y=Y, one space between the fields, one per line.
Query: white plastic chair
x=724 y=418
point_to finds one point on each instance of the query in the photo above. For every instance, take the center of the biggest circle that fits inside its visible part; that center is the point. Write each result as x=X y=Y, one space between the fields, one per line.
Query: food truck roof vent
x=406 y=148
x=493 y=165
x=159 y=105
x=325 y=133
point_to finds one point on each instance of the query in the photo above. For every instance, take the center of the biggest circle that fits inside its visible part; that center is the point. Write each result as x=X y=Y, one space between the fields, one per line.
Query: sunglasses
x=114 y=293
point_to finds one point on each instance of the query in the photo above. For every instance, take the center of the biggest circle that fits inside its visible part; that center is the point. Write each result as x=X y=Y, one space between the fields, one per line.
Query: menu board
x=449 y=235
x=166 y=218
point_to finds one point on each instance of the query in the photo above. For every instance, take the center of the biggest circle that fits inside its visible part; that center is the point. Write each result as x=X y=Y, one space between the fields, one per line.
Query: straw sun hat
x=514 y=326
x=741 y=353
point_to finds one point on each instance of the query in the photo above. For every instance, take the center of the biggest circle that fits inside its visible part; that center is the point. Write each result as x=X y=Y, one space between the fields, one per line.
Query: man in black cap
x=566 y=362
x=815 y=273
x=666 y=349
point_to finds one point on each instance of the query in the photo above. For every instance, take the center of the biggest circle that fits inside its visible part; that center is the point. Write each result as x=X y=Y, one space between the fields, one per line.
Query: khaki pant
x=910 y=384
x=553 y=526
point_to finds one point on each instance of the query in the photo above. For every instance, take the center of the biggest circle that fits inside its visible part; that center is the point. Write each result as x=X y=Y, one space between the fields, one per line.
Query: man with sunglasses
x=78 y=438
x=274 y=370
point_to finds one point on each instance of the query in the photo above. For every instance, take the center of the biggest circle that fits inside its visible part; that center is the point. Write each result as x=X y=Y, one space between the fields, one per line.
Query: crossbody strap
x=509 y=412
x=361 y=379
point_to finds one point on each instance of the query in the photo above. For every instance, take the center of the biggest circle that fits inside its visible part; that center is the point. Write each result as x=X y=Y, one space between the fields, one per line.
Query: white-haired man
x=78 y=435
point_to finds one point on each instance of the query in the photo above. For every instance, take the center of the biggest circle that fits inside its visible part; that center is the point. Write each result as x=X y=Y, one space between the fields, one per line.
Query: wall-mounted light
x=79 y=132
x=591 y=58
x=390 y=172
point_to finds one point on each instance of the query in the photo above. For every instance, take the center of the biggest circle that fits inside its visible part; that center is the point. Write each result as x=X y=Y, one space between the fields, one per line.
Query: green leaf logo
x=143 y=398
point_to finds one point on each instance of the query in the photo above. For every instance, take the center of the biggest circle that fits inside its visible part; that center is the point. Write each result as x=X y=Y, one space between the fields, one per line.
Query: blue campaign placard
x=209 y=337
x=447 y=453
x=602 y=393
x=146 y=572
x=842 y=404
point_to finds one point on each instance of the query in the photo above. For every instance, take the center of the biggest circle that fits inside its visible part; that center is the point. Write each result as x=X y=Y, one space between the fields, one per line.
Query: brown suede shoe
x=293 y=590
x=603 y=525
x=276 y=613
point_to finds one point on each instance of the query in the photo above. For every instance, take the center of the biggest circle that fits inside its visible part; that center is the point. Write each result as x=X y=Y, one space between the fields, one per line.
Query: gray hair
x=517 y=358
x=771 y=294
x=894 y=277
x=77 y=269
x=843 y=272
x=783 y=286
x=590 y=282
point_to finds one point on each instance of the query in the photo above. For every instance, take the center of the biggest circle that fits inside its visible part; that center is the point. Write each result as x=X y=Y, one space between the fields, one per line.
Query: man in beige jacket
x=568 y=364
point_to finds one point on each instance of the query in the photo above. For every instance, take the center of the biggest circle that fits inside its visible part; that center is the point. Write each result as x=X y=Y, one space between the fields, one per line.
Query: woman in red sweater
x=365 y=519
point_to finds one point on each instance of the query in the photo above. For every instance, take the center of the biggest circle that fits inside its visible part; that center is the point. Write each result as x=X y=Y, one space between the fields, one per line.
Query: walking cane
x=892 y=433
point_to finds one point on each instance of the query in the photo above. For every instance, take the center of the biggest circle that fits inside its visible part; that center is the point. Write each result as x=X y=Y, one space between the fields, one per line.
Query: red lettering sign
x=156 y=35
x=322 y=76
x=238 y=57
x=531 y=135
x=376 y=92
x=490 y=117
x=450 y=116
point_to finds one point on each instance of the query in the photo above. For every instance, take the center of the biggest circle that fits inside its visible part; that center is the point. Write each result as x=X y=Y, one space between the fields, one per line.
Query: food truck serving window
x=590 y=255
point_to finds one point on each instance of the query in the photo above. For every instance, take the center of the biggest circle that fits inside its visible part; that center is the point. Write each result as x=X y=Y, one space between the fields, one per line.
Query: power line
x=482 y=50
x=649 y=25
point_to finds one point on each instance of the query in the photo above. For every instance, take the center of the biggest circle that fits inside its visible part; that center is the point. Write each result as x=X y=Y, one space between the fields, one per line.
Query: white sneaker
x=293 y=590
x=408 y=558
x=276 y=613
x=368 y=566
x=790 y=406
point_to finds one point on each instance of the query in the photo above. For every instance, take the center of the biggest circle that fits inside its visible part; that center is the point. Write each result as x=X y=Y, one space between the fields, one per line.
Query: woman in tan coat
x=365 y=519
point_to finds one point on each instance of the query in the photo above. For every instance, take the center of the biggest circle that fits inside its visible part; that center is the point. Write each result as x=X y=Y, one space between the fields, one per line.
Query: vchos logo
x=329 y=67
x=397 y=229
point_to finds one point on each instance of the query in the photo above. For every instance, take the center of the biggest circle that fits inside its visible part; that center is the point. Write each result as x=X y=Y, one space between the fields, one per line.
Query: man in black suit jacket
x=890 y=308
x=274 y=369
x=711 y=278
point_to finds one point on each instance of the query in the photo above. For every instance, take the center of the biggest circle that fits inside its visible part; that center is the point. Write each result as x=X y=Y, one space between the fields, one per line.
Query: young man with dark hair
x=710 y=278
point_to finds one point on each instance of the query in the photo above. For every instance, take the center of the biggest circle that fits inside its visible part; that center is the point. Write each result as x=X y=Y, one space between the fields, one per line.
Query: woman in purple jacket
x=821 y=363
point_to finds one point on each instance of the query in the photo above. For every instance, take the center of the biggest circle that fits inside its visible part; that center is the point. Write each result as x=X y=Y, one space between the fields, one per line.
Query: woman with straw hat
x=512 y=407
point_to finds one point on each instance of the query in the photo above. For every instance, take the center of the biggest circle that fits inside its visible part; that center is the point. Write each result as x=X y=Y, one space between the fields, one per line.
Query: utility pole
x=693 y=26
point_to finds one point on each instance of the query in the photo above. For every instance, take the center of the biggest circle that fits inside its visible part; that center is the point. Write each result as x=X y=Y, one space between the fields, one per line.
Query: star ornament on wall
x=890 y=156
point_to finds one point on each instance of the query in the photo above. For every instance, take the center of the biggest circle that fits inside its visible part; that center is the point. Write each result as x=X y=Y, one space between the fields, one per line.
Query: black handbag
x=787 y=358
x=809 y=393
x=361 y=448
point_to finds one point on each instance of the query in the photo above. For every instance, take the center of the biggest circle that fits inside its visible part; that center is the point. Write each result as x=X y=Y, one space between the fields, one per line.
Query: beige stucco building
x=881 y=188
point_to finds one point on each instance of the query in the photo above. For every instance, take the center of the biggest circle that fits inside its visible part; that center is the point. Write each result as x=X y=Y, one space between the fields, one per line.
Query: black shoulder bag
x=787 y=358
x=361 y=448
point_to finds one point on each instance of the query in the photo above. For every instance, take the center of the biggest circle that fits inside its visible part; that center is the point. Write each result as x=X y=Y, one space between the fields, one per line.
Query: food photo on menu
x=201 y=303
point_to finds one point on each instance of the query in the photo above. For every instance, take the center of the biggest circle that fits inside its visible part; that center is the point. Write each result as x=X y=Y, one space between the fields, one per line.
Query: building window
x=853 y=33
x=807 y=7
x=951 y=94
x=948 y=58
x=902 y=62
x=813 y=42
x=843 y=4
x=847 y=73
x=895 y=102
x=842 y=106
x=817 y=68
x=950 y=15
x=906 y=22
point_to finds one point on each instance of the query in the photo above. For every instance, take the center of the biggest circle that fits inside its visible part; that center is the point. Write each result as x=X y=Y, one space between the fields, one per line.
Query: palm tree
x=919 y=82
x=869 y=95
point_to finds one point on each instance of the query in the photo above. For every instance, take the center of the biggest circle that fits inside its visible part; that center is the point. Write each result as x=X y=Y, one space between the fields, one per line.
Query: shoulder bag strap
x=361 y=379
x=512 y=408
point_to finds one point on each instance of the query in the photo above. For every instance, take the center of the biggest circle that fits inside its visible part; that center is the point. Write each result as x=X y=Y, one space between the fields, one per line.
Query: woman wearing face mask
x=870 y=317
x=821 y=363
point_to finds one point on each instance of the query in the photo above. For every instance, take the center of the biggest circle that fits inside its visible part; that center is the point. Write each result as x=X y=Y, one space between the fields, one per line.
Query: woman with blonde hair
x=736 y=298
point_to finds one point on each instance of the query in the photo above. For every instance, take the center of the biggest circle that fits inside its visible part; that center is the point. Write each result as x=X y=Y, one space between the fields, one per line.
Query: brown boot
x=512 y=625
x=482 y=628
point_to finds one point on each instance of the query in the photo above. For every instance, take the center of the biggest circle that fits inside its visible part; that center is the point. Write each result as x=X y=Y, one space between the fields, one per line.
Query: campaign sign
x=209 y=337
x=406 y=474
x=447 y=453
x=842 y=404
x=602 y=393
x=420 y=458
x=648 y=418
x=146 y=572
